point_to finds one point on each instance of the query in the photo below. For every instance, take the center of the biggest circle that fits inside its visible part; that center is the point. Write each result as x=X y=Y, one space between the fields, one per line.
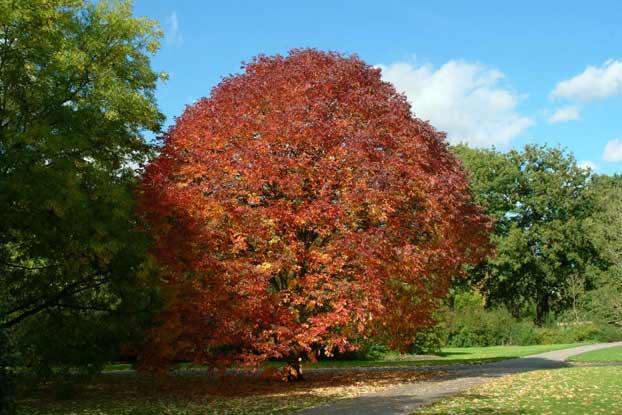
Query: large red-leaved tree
x=298 y=207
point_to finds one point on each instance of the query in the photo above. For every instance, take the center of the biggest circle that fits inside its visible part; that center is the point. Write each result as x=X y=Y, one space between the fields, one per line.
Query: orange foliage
x=299 y=206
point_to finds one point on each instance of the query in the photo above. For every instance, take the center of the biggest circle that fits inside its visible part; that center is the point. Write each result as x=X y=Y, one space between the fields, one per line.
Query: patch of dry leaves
x=205 y=387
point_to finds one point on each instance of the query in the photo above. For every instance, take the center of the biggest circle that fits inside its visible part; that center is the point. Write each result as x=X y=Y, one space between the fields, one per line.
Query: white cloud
x=174 y=36
x=466 y=100
x=613 y=151
x=588 y=165
x=592 y=84
x=565 y=114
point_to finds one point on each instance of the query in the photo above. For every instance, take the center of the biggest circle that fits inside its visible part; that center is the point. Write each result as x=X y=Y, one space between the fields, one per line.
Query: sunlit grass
x=612 y=354
x=568 y=391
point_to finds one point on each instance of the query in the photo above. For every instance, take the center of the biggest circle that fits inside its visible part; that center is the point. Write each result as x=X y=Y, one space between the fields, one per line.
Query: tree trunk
x=293 y=370
x=542 y=309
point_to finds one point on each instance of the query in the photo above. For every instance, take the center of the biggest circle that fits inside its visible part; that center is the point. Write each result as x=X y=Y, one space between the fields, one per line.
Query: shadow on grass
x=408 y=398
x=366 y=364
x=370 y=405
x=447 y=354
x=343 y=364
x=127 y=392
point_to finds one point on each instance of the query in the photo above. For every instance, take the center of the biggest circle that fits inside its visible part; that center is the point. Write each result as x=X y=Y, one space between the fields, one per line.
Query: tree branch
x=65 y=292
x=9 y=265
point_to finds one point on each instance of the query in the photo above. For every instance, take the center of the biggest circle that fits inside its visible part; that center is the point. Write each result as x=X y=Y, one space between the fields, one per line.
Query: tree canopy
x=540 y=201
x=76 y=98
x=603 y=228
x=301 y=205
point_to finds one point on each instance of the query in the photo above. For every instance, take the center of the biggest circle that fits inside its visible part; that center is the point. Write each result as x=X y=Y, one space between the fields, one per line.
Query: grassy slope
x=568 y=391
x=613 y=354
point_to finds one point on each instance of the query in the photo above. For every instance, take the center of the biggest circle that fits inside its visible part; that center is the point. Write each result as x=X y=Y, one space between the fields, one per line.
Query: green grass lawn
x=449 y=355
x=612 y=354
x=568 y=391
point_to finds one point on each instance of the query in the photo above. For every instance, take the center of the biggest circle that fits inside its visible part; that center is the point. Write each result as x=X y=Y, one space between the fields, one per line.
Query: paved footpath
x=405 y=399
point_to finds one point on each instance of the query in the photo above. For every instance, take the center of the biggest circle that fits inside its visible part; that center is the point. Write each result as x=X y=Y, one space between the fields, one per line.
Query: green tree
x=603 y=227
x=76 y=98
x=539 y=200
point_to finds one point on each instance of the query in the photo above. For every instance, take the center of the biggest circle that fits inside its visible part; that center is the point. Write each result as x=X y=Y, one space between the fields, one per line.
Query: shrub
x=475 y=326
x=522 y=333
x=578 y=332
x=430 y=340
x=368 y=349
x=471 y=324
x=610 y=333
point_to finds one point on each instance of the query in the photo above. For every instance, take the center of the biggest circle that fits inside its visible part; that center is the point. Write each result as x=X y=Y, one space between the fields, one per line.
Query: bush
x=479 y=327
x=370 y=350
x=609 y=333
x=430 y=340
x=522 y=333
x=578 y=332
x=367 y=349
x=471 y=324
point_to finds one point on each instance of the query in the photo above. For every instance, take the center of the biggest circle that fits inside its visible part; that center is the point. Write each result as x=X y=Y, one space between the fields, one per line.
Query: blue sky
x=488 y=73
